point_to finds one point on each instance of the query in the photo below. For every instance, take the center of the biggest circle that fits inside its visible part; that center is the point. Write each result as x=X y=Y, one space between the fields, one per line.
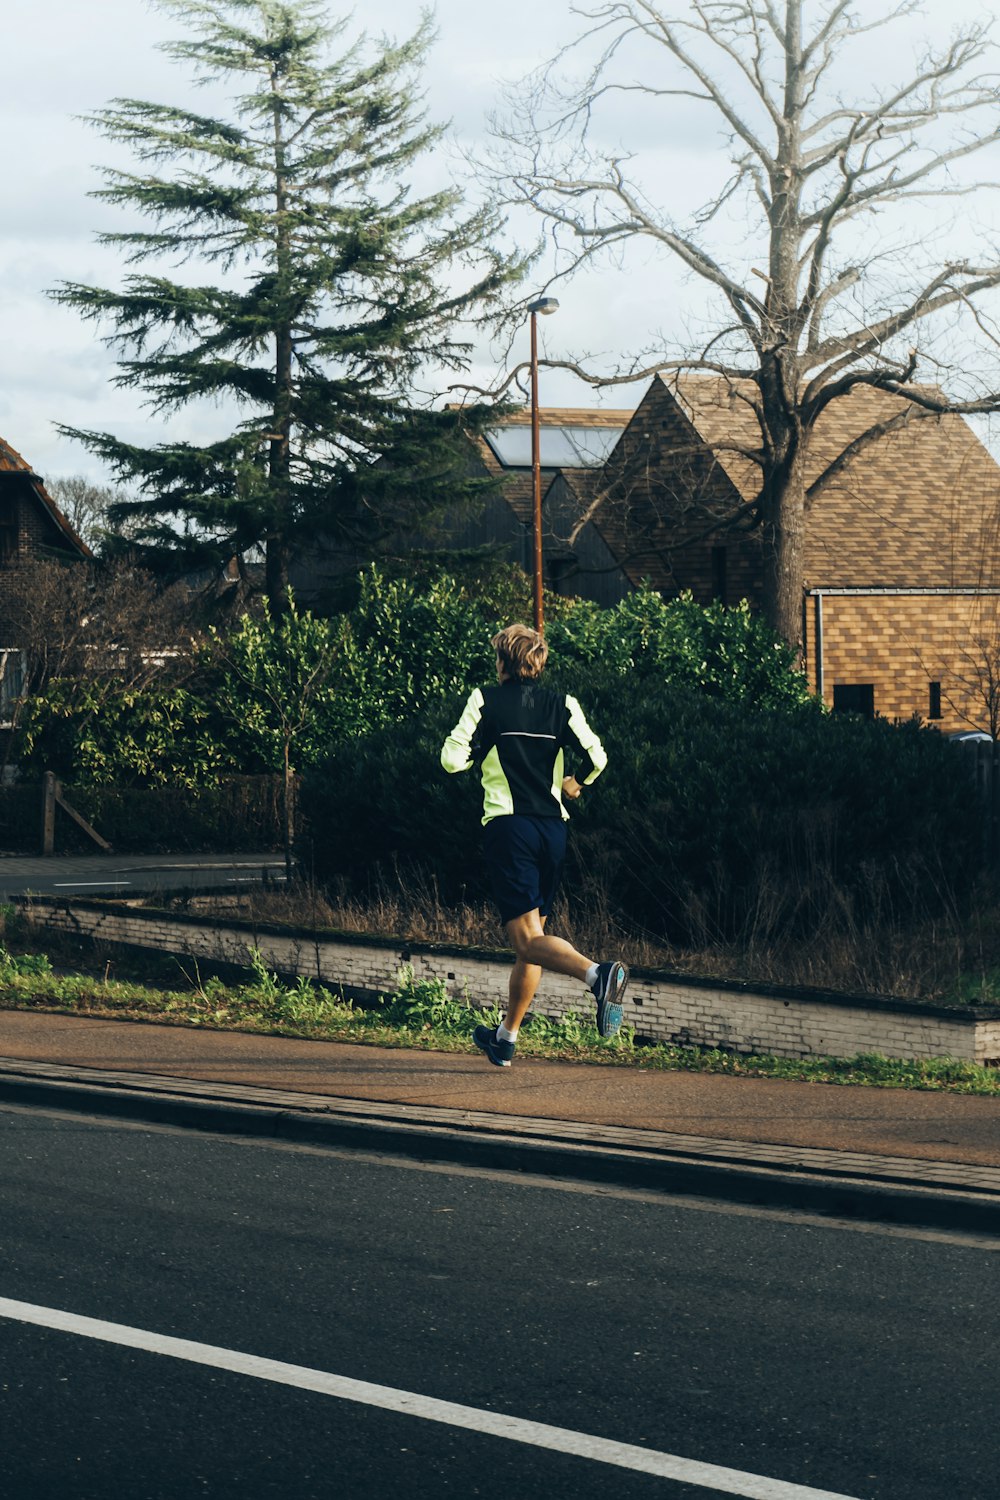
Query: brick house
x=31 y=526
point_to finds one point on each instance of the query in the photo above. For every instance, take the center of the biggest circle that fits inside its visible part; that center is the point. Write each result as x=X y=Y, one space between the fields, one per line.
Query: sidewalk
x=914 y=1156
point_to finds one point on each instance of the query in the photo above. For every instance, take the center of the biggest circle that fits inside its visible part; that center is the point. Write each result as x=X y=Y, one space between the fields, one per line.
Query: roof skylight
x=559 y=447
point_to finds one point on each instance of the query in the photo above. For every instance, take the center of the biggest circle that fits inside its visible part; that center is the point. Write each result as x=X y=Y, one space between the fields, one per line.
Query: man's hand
x=571 y=787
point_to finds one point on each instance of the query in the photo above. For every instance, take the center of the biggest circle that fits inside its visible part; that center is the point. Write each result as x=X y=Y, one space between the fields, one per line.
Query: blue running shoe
x=501 y=1054
x=608 y=989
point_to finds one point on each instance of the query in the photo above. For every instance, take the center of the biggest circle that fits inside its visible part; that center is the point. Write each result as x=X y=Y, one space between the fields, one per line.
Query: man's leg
x=536 y=950
x=523 y=986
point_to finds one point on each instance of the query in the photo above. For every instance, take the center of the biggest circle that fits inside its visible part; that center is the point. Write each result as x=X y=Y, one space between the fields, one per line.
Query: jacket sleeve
x=583 y=743
x=456 y=752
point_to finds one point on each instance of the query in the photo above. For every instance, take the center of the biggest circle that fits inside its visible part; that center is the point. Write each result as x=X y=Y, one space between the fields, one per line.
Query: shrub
x=714 y=819
x=724 y=652
x=106 y=734
x=384 y=802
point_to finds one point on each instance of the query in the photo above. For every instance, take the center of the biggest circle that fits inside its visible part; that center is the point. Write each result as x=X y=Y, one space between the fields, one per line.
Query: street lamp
x=540 y=305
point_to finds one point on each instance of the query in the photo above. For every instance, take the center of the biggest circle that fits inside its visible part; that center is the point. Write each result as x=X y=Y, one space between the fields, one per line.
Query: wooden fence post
x=52 y=798
x=48 y=813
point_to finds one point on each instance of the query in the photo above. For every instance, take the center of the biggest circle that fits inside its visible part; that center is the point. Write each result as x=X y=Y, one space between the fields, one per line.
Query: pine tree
x=337 y=288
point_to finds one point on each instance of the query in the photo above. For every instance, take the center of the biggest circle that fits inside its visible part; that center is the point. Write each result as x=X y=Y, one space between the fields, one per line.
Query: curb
x=735 y=1172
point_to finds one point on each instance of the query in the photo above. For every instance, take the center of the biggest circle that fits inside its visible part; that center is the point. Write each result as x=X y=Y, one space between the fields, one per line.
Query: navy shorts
x=524 y=859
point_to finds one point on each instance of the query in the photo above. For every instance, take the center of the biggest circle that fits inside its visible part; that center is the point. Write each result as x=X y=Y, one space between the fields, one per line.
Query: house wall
x=670 y=492
x=900 y=644
x=29 y=527
x=594 y=572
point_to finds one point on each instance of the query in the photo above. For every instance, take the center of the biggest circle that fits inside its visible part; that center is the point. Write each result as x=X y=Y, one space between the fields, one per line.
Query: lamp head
x=543 y=305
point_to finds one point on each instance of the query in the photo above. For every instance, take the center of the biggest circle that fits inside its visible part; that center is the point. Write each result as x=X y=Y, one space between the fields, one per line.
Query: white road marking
x=407 y=1403
x=79 y=885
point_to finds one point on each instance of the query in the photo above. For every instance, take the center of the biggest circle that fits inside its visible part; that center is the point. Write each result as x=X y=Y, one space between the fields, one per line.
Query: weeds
x=858 y=943
x=422 y=1014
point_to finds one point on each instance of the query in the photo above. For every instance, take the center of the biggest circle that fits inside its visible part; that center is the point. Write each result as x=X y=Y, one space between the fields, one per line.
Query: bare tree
x=87 y=505
x=973 y=691
x=108 y=624
x=809 y=309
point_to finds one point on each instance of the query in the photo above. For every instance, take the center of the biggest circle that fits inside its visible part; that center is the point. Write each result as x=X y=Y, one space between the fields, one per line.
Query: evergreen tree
x=337 y=289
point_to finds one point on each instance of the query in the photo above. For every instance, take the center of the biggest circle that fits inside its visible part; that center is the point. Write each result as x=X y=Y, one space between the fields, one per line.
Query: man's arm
x=456 y=752
x=584 y=744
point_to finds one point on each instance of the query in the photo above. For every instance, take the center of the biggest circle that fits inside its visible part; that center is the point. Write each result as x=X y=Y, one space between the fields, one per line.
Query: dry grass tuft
x=855 y=944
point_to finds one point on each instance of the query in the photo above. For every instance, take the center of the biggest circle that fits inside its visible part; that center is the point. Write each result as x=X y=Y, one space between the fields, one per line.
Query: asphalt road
x=111 y=875
x=855 y=1361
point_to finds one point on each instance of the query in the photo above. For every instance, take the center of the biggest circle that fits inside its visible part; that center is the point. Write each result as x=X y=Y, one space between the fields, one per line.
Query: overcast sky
x=64 y=58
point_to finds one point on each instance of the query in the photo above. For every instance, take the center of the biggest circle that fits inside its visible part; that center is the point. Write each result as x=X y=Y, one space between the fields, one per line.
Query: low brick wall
x=662 y=1006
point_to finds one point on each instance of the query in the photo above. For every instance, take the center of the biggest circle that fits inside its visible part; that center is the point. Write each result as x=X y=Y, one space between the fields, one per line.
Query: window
x=934 y=701
x=558 y=447
x=719 y=575
x=854 y=698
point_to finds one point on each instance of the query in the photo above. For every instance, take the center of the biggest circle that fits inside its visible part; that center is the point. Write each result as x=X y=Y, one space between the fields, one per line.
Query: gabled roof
x=570 y=416
x=915 y=507
x=12 y=464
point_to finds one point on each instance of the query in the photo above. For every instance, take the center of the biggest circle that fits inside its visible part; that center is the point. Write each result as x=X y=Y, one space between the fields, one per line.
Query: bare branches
x=597 y=382
x=953 y=284
x=852 y=160
x=814 y=166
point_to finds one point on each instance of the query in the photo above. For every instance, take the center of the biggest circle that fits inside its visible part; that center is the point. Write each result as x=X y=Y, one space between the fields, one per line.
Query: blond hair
x=522 y=652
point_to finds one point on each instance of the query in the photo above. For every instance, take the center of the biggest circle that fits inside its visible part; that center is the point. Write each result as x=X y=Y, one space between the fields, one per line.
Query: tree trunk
x=783 y=534
x=276 y=574
x=289 y=814
x=783 y=498
x=782 y=505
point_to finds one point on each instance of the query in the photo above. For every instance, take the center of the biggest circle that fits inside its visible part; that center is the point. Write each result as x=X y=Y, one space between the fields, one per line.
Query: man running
x=519 y=734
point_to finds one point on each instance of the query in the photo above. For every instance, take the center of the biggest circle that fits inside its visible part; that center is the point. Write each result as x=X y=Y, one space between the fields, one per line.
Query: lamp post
x=540 y=305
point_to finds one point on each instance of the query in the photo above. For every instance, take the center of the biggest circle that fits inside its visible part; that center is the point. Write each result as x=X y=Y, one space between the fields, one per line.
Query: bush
x=107 y=733
x=715 y=820
x=724 y=652
x=383 y=803
x=719 y=822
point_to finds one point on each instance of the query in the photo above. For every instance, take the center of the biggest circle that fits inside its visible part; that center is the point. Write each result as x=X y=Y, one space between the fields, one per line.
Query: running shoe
x=608 y=989
x=500 y=1053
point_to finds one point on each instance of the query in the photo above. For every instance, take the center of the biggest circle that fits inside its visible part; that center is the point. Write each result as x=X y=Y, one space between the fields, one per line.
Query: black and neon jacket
x=519 y=735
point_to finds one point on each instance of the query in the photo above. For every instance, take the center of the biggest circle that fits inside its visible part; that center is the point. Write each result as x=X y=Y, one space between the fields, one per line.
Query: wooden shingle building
x=901 y=595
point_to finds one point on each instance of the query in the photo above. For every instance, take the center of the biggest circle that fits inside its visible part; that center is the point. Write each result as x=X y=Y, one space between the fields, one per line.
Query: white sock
x=506 y=1036
x=591 y=978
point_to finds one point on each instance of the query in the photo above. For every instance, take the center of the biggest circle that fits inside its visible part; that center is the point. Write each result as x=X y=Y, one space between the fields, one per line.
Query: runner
x=518 y=734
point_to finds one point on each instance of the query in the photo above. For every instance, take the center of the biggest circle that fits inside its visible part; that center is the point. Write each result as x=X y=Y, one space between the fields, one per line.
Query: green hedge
x=714 y=819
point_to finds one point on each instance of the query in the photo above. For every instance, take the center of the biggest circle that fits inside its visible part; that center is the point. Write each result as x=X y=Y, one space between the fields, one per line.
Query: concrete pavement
x=913 y=1157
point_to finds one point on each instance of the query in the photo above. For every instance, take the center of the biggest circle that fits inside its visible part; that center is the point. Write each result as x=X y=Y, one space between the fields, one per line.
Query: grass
x=421 y=1014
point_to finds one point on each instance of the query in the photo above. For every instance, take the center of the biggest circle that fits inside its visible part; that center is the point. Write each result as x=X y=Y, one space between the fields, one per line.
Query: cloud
x=66 y=59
